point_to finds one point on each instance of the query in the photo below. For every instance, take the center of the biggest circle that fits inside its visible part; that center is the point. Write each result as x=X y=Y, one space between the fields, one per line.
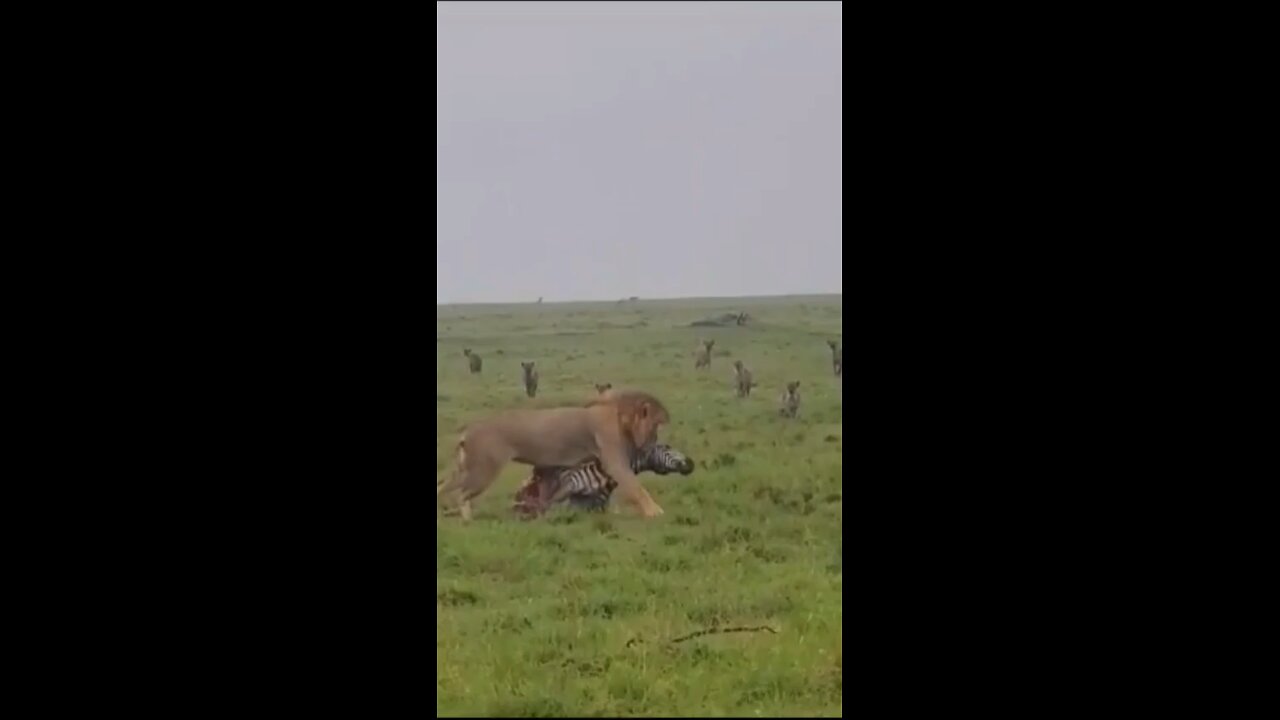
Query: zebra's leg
x=596 y=502
x=559 y=492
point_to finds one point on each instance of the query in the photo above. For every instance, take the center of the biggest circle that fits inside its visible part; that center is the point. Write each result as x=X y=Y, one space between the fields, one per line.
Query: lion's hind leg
x=460 y=480
x=451 y=479
x=450 y=483
x=476 y=472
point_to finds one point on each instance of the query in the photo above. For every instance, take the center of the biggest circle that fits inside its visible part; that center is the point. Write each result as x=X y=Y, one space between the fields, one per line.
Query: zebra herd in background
x=587 y=486
x=789 y=402
x=530 y=373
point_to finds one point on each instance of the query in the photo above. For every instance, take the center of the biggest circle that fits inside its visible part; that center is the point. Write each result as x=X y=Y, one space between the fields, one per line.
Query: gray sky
x=592 y=151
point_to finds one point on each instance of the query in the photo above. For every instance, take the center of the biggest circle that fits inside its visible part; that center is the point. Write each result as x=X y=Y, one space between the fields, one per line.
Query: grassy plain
x=573 y=615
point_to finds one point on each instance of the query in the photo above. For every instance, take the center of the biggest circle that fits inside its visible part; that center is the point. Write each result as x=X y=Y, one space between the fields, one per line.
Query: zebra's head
x=663 y=459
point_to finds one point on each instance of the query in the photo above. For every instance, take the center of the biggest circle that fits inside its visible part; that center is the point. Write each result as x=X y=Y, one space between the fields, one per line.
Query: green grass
x=573 y=615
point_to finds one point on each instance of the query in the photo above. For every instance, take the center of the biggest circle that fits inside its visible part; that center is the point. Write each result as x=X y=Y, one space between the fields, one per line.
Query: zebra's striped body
x=587 y=486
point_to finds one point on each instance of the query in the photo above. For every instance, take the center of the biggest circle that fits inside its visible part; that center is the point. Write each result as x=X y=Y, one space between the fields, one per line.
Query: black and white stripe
x=588 y=486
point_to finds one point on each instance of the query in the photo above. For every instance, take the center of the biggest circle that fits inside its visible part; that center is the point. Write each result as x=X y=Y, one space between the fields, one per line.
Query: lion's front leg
x=629 y=485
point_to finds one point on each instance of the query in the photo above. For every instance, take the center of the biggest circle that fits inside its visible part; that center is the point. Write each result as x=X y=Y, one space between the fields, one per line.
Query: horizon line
x=640 y=299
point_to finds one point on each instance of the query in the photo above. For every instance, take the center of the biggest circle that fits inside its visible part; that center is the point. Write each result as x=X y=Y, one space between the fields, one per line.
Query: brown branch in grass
x=712 y=631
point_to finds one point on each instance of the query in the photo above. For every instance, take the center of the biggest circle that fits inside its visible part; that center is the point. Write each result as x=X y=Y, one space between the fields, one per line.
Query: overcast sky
x=592 y=151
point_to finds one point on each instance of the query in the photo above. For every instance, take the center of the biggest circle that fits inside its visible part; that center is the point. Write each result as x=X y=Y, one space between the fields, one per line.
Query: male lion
x=611 y=427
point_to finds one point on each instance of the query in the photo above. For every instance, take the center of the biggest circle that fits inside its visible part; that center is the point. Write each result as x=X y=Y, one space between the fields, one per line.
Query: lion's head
x=639 y=414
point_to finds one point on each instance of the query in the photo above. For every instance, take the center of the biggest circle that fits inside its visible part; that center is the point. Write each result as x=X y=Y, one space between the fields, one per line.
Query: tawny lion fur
x=609 y=427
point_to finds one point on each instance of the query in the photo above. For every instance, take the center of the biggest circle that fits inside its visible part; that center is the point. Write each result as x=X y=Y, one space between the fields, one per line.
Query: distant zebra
x=744 y=379
x=473 y=360
x=587 y=486
x=530 y=379
x=791 y=400
x=837 y=357
x=703 y=358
